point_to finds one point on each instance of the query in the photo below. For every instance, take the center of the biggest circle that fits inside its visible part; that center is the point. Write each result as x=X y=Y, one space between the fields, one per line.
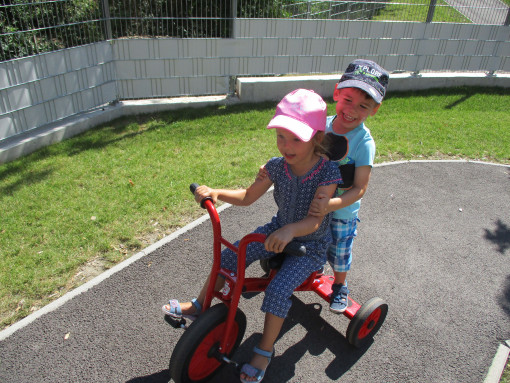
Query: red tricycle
x=210 y=341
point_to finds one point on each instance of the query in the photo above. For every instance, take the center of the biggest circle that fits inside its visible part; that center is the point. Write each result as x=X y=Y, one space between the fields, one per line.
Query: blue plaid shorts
x=340 y=250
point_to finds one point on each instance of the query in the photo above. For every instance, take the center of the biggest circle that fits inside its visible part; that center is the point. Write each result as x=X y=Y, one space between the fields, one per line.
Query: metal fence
x=62 y=58
x=32 y=27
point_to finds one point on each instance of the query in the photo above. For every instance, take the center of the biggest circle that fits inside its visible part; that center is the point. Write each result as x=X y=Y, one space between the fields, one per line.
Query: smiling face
x=353 y=106
x=295 y=151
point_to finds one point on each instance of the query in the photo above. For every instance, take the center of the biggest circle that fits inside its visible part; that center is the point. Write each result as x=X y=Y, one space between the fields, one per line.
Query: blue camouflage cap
x=368 y=76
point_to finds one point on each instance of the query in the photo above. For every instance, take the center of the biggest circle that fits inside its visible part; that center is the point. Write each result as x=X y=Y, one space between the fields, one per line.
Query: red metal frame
x=236 y=284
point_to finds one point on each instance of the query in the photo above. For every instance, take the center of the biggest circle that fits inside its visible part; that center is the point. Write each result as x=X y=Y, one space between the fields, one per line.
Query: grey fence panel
x=148 y=68
x=177 y=67
x=42 y=89
x=419 y=46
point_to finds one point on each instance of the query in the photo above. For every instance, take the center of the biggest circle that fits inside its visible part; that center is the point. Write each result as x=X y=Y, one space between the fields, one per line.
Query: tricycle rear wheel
x=193 y=356
x=366 y=322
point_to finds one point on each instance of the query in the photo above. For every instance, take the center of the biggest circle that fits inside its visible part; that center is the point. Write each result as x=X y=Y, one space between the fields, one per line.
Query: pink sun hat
x=302 y=112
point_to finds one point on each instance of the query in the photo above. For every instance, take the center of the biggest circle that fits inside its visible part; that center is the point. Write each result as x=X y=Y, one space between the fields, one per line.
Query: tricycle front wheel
x=193 y=357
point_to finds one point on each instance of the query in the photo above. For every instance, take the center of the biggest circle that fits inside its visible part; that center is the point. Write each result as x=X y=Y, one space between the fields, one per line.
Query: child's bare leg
x=340 y=277
x=272 y=326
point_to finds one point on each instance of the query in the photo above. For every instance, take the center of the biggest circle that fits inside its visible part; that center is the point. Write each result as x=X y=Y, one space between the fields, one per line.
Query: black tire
x=192 y=359
x=366 y=322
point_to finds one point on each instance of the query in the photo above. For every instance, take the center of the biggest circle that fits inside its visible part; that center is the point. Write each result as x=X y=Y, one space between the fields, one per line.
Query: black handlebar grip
x=193 y=187
x=295 y=248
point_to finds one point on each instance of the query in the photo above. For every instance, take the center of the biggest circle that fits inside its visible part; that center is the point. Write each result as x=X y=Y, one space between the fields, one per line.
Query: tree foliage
x=32 y=27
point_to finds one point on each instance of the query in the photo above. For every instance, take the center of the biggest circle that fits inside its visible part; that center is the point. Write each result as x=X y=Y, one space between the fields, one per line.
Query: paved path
x=492 y=12
x=434 y=243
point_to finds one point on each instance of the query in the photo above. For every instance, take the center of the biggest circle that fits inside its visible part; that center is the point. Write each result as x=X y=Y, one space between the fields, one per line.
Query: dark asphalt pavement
x=434 y=243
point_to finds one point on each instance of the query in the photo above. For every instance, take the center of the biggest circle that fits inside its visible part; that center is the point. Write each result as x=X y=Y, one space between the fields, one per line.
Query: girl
x=298 y=177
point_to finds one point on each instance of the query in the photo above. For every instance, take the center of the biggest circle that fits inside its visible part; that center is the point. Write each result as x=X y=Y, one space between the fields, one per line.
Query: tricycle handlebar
x=192 y=188
x=292 y=248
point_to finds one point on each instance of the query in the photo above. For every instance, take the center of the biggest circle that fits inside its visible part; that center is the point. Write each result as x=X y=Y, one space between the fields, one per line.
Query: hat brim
x=299 y=128
x=363 y=86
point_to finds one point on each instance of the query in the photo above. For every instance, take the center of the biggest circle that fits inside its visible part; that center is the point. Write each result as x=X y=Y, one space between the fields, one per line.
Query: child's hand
x=203 y=192
x=278 y=239
x=319 y=205
x=262 y=175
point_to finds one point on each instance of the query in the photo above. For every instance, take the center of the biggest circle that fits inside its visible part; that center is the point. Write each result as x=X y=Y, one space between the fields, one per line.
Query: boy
x=358 y=94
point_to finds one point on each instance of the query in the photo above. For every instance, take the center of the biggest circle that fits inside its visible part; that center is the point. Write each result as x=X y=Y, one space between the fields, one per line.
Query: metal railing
x=32 y=27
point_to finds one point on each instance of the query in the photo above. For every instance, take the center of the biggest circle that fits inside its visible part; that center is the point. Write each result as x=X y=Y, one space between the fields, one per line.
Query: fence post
x=233 y=16
x=432 y=9
x=107 y=19
x=233 y=35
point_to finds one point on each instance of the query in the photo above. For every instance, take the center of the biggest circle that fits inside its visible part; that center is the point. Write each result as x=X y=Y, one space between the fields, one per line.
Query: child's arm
x=240 y=197
x=262 y=174
x=323 y=205
x=277 y=240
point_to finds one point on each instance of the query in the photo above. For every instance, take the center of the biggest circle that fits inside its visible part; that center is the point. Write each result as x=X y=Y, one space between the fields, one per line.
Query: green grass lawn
x=505 y=378
x=417 y=10
x=74 y=209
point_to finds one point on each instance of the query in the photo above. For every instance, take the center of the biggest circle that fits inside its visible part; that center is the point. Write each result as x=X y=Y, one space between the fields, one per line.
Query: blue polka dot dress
x=293 y=196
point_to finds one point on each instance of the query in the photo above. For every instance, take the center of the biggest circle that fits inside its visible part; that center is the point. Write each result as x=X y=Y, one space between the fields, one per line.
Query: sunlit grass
x=465 y=123
x=417 y=10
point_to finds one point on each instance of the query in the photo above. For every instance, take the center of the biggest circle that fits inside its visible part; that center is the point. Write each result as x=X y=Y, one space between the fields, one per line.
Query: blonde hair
x=318 y=146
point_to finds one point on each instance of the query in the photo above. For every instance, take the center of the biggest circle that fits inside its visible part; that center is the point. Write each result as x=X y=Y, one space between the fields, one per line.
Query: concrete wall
x=258 y=89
